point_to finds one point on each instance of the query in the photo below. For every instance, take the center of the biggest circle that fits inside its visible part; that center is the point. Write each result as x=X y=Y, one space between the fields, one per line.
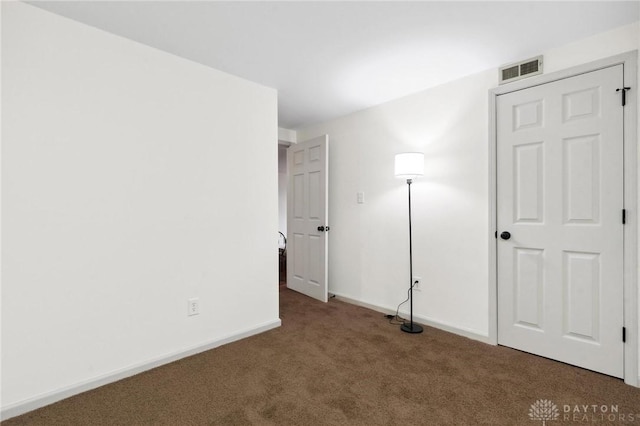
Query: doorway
x=303 y=191
x=283 y=179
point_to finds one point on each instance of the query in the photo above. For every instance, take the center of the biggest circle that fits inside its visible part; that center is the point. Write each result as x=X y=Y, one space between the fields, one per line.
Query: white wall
x=283 y=182
x=132 y=180
x=449 y=123
x=286 y=137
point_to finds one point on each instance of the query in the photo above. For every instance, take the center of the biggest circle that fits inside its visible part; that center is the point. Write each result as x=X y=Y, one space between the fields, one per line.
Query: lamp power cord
x=397 y=319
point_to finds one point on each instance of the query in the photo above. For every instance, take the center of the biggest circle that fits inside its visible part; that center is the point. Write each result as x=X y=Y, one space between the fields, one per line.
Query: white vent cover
x=520 y=70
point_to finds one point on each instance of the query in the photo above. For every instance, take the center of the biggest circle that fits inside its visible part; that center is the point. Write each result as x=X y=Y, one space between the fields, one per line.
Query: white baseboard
x=39 y=401
x=461 y=331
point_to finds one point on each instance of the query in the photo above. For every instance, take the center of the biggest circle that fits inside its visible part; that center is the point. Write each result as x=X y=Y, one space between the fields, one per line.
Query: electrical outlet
x=193 y=306
x=417 y=283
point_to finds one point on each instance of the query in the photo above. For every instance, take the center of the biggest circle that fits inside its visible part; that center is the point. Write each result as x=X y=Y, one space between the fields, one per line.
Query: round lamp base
x=411 y=328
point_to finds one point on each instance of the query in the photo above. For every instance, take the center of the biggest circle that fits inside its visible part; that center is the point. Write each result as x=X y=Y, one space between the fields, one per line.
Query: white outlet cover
x=418 y=285
x=193 y=306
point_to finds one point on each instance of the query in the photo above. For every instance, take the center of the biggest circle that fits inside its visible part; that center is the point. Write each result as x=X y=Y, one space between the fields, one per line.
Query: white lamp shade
x=409 y=165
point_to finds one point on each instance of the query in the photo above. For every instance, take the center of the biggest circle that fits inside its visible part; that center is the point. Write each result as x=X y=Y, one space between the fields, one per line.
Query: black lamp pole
x=411 y=327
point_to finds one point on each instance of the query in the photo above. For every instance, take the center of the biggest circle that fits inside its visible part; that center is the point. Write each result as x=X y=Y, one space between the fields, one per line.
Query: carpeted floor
x=340 y=364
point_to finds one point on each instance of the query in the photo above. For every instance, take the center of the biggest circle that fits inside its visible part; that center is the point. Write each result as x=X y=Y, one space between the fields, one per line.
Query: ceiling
x=328 y=59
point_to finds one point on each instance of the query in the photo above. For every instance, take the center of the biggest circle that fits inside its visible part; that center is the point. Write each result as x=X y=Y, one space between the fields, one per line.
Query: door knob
x=505 y=235
x=321 y=228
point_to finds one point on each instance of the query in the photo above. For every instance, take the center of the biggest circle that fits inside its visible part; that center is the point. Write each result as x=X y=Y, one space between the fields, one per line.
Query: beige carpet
x=336 y=363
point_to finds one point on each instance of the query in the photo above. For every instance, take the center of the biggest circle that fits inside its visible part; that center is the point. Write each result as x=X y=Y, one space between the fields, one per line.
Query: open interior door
x=307 y=217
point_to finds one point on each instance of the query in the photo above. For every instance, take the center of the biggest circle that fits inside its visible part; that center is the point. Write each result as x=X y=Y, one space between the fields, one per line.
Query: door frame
x=630 y=229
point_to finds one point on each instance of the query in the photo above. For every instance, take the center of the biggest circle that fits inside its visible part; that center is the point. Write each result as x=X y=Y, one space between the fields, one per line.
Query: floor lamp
x=410 y=165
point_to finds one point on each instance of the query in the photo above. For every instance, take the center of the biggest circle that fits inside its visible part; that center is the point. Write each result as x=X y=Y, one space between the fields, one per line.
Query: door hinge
x=624 y=216
x=496 y=235
x=624 y=334
x=624 y=94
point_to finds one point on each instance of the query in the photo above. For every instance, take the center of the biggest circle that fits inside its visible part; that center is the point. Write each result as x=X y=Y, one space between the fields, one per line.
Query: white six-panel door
x=307 y=218
x=560 y=196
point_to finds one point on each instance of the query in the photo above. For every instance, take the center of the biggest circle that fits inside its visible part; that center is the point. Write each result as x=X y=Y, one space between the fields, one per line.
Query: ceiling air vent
x=520 y=70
